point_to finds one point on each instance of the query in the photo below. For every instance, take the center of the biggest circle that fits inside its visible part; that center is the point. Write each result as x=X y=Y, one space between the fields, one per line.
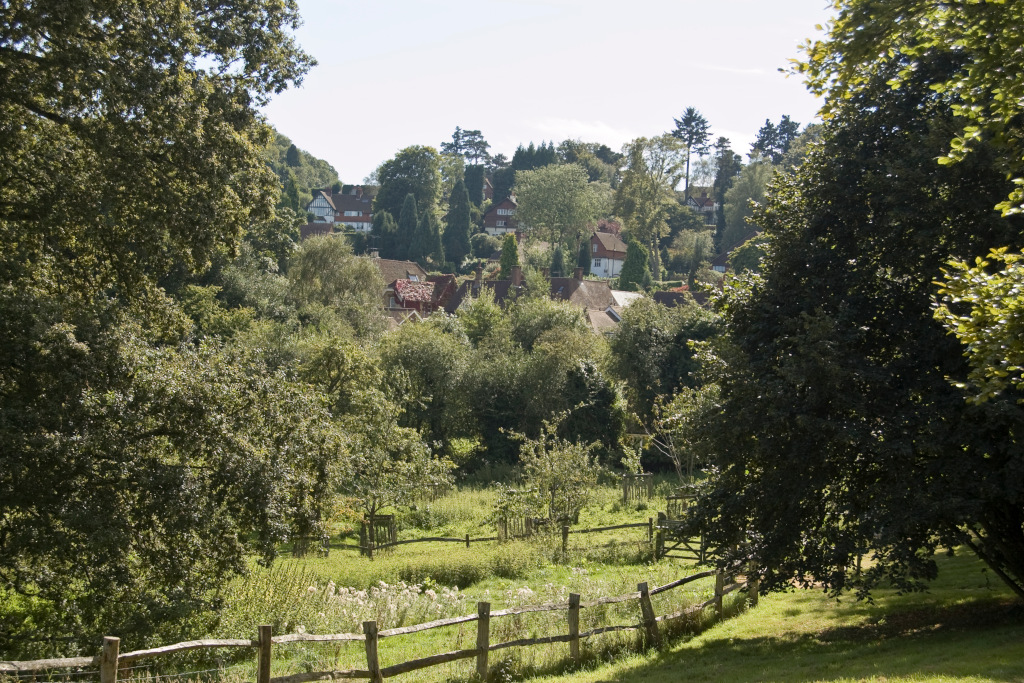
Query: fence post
x=372 y=661
x=467 y=540
x=266 y=633
x=625 y=495
x=719 y=592
x=565 y=539
x=108 y=659
x=650 y=529
x=574 y=626
x=483 y=637
x=659 y=544
x=647 y=610
x=369 y=548
x=753 y=585
x=650 y=485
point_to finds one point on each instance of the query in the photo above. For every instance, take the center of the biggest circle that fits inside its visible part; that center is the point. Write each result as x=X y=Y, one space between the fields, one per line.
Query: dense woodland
x=185 y=385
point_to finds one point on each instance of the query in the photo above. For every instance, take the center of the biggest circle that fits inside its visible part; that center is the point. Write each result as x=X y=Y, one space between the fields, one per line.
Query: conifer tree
x=558 y=263
x=635 y=270
x=292 y=157
x=456 y=234
x=583 y=260
x=408 y=221
x=509 y=256
x=385 y=233
x=474 y=176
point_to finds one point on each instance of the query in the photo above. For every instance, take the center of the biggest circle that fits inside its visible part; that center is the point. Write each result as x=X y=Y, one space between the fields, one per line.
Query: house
x=705 y=206
x=593 y=296
x=607 y=254
x=500 y=218
x=422 y=297
x=720 y=263
x=681 y=296
x=353 y=209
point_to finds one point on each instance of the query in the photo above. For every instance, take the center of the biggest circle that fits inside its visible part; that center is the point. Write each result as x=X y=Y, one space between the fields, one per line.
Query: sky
x=395 y=73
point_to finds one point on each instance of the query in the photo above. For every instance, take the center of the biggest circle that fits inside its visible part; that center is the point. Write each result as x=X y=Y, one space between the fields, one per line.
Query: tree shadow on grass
x=963 y=640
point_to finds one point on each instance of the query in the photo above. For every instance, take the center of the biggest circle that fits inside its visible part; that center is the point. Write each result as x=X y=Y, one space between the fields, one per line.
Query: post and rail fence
x=109 y=660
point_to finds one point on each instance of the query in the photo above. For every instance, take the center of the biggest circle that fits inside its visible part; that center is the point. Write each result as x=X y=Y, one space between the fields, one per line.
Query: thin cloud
x=558 y=129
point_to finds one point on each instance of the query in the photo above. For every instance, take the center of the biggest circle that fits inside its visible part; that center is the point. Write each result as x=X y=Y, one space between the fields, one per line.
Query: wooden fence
x=371 y=548
x=637 y=487
x=109 y=659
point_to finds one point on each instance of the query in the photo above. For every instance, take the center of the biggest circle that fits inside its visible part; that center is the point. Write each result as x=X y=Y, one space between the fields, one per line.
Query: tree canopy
x=414 y=170
x=557 y=203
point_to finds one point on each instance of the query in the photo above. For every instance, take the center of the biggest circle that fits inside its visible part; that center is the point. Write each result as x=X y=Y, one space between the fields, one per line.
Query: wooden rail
x=109 y=660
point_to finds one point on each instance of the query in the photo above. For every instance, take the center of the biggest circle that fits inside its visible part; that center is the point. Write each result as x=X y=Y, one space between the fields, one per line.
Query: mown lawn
x=966 y=628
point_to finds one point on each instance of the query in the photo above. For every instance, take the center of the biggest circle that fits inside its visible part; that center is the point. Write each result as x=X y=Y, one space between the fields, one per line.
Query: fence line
x=467 y=539
x=109 y=659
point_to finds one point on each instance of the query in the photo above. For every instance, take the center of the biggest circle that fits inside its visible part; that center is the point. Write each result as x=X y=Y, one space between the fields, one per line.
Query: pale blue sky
x=394 y=73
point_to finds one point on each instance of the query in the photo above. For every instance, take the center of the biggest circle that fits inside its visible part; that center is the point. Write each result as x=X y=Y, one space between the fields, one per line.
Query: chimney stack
x=517 y=276
x=577 y=274
x=479 y=273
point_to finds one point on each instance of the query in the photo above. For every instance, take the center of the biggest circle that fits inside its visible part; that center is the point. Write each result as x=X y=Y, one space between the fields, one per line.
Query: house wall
x=605 y=267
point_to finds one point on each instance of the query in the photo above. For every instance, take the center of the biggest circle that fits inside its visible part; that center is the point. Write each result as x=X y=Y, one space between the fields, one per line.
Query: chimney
x=577 y=274
x=479 y=273
x=517 y=276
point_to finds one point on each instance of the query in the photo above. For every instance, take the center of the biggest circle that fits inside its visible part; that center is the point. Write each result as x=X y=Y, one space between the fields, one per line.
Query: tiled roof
x=408 y=290
x=601 y=321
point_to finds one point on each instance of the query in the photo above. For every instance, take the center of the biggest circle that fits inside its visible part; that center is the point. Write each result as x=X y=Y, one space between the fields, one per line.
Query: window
x=597 y=263
x=595 y=248
x=499 y=224
x=414 y=278
x=506 y=212
x=353 y=213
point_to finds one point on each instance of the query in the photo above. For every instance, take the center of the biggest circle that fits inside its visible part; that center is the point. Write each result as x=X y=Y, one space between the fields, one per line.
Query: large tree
x=557 y=203
x=654 y=169
x=839 y=433
x=693 y=129
x=139 y=471
x=456 y=232
x=414 y=170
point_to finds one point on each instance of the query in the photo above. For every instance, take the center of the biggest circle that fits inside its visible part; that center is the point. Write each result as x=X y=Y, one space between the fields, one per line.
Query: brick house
x=354 y=209
x=607 y=254
x=501 y=218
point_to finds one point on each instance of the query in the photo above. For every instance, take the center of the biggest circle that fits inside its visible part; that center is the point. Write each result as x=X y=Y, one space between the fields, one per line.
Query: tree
x=325 y=273
x=747 y=191
x=385 y=234
x=773 y=141
x=509 y=256
x=693 y=130
x=453 y=170
x=728 y=165
x=563 y=472
x=583 y=258
x=456 y=233
x=635 y=274
x=865 y=39
x=654 y=168
x=190 y=458
x=474 y=180
x=408 y=221
x=457 y=147
x=556 y=201
x=414 y=170
x=476 y=147
x=838 y=433
x=292 y=156
x=557 y=262
x=992 y=326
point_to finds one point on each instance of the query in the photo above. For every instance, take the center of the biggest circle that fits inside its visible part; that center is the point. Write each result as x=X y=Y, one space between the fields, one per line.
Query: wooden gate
x=637 y=487
x=376 y=531
x=671 y=542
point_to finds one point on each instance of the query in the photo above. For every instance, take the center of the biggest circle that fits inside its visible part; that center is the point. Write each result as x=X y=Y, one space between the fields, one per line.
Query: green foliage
x=456 y=232
x=326 y=279
x=414 y=170
x=408 y=222
x=992 y=324
x=484 y=245
x=385 y=234
x=747 y=256
x=838 y=433
x=690 y=251
x=773 y=141
x=654 y=168
x=558 y=263
x=747 y=190
x=583 y=258
x=635 y=273
x=556 y=203
x=693 y=130
x=561 y=471
x=298 y=171
x=651 y=350
x=474 y=181
x=509 y=256
x=865 y=40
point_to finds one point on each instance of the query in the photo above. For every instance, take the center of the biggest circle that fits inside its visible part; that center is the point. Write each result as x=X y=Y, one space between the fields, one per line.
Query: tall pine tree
x=385 y=234
x=456 y=234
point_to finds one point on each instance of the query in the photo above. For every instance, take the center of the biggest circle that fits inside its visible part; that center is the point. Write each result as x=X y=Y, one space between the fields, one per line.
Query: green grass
x=965 y=629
